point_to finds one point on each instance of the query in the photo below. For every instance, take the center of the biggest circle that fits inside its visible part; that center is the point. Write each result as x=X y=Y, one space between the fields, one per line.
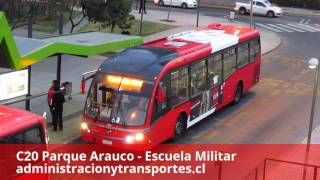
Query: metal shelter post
x=59 y=57
x=27 y=102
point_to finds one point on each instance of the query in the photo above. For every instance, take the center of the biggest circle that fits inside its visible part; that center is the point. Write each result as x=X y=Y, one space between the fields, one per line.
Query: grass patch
x=147 y=29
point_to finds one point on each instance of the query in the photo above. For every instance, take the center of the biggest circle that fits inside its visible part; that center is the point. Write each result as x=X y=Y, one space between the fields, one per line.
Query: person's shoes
x=54 y=130
x=61 y=129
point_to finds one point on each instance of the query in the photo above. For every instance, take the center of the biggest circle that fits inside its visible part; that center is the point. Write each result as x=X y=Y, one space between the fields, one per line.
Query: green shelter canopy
x=17 y=52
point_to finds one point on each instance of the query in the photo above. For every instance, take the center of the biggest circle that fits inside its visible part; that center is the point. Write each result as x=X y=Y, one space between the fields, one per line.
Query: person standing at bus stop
x=50 y=96
x=57 y=106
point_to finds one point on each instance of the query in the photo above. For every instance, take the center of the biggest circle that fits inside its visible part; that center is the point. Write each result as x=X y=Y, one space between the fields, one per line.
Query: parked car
x=180 y=3
x=263 y=7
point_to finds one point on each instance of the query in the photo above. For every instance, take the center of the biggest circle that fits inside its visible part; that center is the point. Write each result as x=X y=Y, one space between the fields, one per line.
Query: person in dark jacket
x=50 y=96
x=57 y=104
x=142 y=6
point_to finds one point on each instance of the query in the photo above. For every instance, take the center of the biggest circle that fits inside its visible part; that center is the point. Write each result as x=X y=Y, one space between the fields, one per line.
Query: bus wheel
x=180 y=127
x=238 y=94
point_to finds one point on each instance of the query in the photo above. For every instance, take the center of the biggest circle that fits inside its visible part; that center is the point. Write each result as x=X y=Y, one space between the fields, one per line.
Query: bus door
x=200 y=95
x=215 y=83
x=205 y=83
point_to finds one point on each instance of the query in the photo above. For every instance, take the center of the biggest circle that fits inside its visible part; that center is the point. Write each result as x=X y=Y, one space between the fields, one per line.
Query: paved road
x=297 y=22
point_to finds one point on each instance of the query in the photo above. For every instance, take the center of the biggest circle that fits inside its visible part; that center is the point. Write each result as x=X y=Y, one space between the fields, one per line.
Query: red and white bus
x=151 y=93
x=18 y=126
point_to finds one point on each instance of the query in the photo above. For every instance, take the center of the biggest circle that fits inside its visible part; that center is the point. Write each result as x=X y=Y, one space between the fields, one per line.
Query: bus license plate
x=106 y=142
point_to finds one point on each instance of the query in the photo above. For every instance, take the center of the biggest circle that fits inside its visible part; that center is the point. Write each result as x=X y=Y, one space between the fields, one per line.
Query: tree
x=109 y=13
x=74 y=4
x=18 y=11
x=52 y=13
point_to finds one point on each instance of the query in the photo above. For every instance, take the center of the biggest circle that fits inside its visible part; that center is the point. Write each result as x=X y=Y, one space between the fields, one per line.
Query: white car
x=180 y=3
x=263 y=7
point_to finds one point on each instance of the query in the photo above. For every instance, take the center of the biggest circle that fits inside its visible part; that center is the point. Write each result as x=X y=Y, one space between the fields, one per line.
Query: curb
x=314 y=130
x=273 y=49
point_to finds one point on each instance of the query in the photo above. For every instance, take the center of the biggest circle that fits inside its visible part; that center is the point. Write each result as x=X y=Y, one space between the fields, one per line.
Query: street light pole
x=251 y=14
x=313 y=64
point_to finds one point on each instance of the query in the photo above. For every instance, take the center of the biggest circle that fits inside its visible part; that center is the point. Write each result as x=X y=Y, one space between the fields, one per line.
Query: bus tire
x=238 y=93
x=180 y=127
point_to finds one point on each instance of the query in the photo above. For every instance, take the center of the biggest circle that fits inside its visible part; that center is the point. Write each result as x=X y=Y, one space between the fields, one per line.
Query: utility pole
x=198 y=13
x=169 y=12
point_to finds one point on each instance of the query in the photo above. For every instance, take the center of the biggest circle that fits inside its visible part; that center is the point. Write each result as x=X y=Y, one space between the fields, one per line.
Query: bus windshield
x=118 y=100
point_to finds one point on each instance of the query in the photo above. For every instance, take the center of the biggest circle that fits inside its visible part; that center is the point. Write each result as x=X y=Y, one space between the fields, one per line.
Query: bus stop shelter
x=18 y=53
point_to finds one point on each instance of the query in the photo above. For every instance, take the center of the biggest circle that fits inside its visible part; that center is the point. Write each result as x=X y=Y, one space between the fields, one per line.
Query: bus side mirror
x=160 y=95
x=83 y=86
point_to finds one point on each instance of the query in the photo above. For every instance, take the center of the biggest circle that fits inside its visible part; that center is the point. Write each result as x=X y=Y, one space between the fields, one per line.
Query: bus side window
x=198 y=73
x=179 y=86
x=243 y=54
x=254 y=49
x=229 y=62
x=215 y=70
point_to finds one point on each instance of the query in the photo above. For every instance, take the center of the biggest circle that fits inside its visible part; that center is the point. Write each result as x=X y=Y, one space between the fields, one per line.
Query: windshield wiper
x=119 y=109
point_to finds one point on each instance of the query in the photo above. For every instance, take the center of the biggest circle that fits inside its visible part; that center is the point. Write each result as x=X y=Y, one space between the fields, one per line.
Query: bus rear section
x=173 y=83
x=20 y=130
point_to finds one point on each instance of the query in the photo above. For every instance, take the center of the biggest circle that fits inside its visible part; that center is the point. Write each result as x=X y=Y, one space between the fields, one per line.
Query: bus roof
x=140 y=62
x=147 y=61
x=13 y=120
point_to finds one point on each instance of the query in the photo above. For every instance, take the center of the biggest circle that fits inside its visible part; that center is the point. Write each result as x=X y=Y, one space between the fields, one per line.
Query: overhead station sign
x=13 y=84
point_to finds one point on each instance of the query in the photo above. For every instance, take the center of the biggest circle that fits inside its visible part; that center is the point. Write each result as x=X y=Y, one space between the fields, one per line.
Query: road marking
x=201 y=136
x=302 y=21
x=233 y=120
x=267 y=27
x=291 y=28
x=307 y=21
x=281 y=28
x=306 y=27
x=299 y=27
x=213 y=134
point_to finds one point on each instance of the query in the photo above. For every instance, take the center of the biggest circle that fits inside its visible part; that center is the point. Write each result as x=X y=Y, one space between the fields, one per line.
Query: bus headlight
x=139 y=137
x=129 y=139
x=84 y=126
